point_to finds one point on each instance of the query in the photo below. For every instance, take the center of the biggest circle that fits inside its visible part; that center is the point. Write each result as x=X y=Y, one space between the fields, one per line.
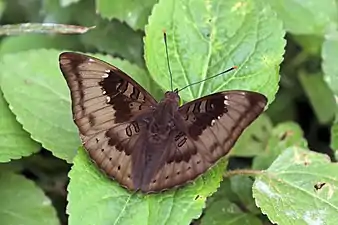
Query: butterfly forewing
x=212 y=125
x=105 y=102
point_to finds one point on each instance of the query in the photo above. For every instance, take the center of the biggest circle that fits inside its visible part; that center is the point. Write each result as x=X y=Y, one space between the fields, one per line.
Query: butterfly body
x=148 y=145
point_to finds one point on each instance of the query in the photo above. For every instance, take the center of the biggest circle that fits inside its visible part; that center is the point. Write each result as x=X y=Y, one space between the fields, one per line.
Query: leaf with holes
x=298 y=188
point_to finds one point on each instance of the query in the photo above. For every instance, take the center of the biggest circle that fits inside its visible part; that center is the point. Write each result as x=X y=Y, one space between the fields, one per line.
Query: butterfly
x=146 y=145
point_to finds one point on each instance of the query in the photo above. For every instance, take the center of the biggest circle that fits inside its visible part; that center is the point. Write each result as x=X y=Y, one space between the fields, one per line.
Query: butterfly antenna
x=166 y=51
x=219 y=74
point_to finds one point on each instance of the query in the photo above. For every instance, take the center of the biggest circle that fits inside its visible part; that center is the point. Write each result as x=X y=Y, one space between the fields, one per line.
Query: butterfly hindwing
x=211 y=126
x=105 y=102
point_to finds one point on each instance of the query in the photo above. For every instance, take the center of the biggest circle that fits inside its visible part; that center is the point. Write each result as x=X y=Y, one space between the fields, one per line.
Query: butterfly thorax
x=162 y=121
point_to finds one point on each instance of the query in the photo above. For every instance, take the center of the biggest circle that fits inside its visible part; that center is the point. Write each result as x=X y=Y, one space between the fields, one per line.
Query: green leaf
x=329 y=53
x=2 y=7
x=224 y=212
x=306 y=17
x=254 y=139
x=224 y=191
x=14 y=141
x=126 y=43
x=39 y=97
x=232 y=203
x=13 y=44
x=310 y=44
x=283 y=107
x=319 y=95
x=134 y=13
x=112 y=204
x=334 y=137
x=22 y=202
x=299 y=188
x=242 y=186
x=207 y=37
x=282 y=136
x=53 y=11
x=329 y=64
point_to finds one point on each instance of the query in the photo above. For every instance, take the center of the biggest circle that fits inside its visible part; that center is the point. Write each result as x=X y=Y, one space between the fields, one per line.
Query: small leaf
x=224 y=212
x=282 y=136
x=22 y=202
x=54 y=11
x=134 y=13
x=112 y=204
x=14 y=141
x=306 y=17
x=299 y=188
x=310 y=44
x=126 y=43
x=224 y=191
x=242 y=186
x=282 y=108
x=319 y=95
x=207 y=37
x=254 y=139
x=38 y=94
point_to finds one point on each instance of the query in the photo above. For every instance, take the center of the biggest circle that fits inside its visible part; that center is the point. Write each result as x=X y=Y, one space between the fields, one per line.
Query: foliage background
x=285 y=49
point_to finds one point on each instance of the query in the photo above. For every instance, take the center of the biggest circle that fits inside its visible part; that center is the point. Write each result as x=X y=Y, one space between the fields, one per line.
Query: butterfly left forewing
x=209 y=128
x=105 y=103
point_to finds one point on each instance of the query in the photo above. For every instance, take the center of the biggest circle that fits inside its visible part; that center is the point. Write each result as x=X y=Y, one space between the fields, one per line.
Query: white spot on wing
x=91 y=60
x=226 y=97
x=213 y=122
x=218 y=117
x=226 y=102
x=107 y=71
x=105 y=75
x=108 y=99
x=104 y=92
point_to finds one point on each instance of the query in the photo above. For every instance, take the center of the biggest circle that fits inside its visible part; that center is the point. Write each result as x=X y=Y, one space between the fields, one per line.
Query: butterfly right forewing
x=105 y=102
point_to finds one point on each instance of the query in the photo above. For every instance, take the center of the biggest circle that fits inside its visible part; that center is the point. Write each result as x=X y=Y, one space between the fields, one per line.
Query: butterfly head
x=172 y=96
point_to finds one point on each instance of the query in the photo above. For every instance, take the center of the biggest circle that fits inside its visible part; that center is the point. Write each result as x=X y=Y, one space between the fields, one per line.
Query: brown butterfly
x=148 y=145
